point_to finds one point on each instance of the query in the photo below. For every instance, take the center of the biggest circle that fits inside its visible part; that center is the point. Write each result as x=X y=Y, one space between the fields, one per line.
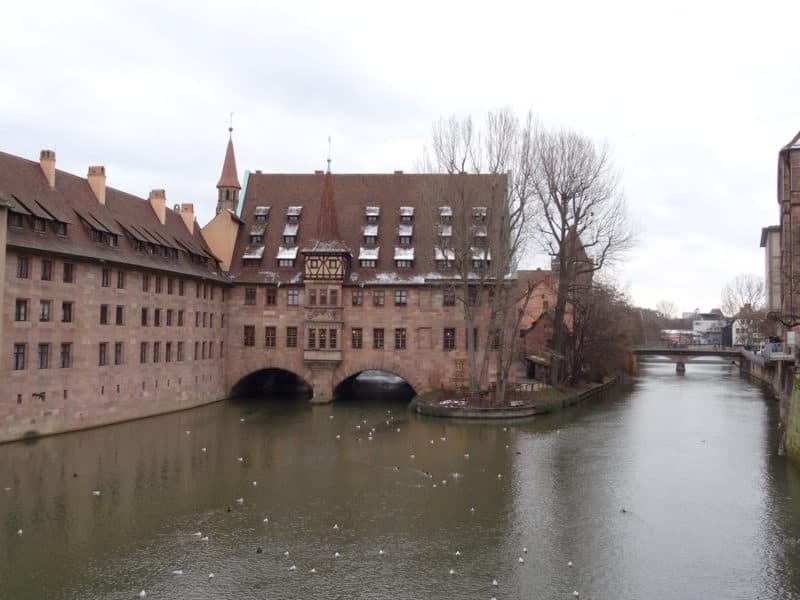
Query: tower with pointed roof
x=228 y=185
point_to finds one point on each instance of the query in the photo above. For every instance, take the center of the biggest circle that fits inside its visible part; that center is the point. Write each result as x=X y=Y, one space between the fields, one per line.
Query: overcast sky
x=694 y=99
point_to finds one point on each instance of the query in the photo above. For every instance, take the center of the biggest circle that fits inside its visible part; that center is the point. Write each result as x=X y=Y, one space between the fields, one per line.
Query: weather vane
x=230 y=123
x=329 y=154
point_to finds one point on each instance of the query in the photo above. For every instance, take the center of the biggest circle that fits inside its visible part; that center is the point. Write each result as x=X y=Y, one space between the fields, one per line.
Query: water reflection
x=710 y=510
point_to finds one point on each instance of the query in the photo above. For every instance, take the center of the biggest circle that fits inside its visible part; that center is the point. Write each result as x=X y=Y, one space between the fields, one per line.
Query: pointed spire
x=327 y=229
x=229 y=178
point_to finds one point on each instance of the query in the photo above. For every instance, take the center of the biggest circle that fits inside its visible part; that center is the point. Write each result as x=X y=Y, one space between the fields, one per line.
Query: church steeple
x=228 y=185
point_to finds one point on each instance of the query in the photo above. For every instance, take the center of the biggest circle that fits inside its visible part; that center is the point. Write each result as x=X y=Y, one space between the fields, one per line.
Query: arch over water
x=271 y=382
x=369 y=383
x=403 y=370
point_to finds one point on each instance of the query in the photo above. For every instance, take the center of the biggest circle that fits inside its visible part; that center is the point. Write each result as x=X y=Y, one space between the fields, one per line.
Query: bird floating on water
x=286 y=553
x=198 y=534
x=178 y=572
x=444 y=439
x=95 y=492
x=452 y=572
x=458 y=552
x=499 y=475
x=524 y=549
x=336 y=526
x=338 y=437
x=293 y=568
x=142 y=594
x=266 y=519
x=412 y=456
x=255 y=483
x=398 y=430
x=211 y=576
x=569 y=563
x=330 y=416
x=313 y=570
x=204 y=538
x=259 y=550
x=494 y=582
x=336 y=555
x=19 y=531
x=188 y=431
x=240 y=459
x=576 y=593
x=241 y=420
x=381 y=552
x=240 y=501
x=520 y=560
x=203 y=449
x=471 y=509
x=466 y=454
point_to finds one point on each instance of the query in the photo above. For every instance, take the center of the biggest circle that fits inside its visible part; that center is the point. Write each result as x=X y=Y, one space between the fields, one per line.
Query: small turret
x=228 y=185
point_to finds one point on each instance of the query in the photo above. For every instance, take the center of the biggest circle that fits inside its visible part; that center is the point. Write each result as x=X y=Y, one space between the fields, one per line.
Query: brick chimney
x=47 y=160
x=187 y=214
x=158 y=200
x=97 y=181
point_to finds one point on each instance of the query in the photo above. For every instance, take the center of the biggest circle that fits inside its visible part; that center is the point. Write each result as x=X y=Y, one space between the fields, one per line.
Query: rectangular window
x=158 y=284
x=312 y=339
x=120 y=280
x=312 y=297
x=205 y=318
x=23 y=266
x=180 y=352
x=205 y=291
x=102 y=352
x=293 y=297
x=250 y=296
x=357 y=337
x=377 y=339
x=145 y=282
x=21 y=310
x=400 y=297
x=496 y=339
x=211 y=320
x=211 y=344
x=180 y=318
x=197 y=319
x=270 y=337
x=144 y=317
x=181 y=290
x=399 y=339
x=15 y=219
x=449 y=297
x=291 y=337
x=119 y=317
x=143 y=352
x=157 y=317
x=44 y=356
x=323 y=338
x=69 y=273
x=472 y=296
x=474 y=338
x=249 y=335
x=118 y=353
x=272 y=296
x=196 y=350
x=323 y=297
x=66 y=312
x=334 y=297
x=169 y=317
x=104 y=314
x=44 y=310
x=19 y=357
x=47 y=269
x=170 y=285
x=404 y=264
x=105 y=277
x=367 y=263
x=66 y=356
x=357 y=298
x=203 y=351
x=378 y=298
x=168 y=352
x=156 y=352
x=333 y=339
x=449 y=339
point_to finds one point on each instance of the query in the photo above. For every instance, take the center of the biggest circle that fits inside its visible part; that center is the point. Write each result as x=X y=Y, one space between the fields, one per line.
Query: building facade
x=118 y=307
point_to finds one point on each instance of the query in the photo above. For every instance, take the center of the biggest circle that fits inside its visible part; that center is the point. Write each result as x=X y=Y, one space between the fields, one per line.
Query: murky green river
x=361 y=499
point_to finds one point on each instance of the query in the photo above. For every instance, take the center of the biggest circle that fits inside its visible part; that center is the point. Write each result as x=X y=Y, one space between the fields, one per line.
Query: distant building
x=707 y=327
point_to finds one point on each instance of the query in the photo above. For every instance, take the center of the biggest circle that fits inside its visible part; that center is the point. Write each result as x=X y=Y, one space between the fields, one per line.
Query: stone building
x=117 y=307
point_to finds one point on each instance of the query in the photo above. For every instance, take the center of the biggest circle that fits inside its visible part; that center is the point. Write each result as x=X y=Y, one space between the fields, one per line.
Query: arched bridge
x=681 y=355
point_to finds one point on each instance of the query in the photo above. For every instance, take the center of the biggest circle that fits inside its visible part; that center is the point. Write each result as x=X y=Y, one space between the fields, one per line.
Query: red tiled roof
x=229 y=179
x=72 y=201
x=352 y=194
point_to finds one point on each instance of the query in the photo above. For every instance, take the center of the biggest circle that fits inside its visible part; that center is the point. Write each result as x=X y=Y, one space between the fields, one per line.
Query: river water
x=710 y=510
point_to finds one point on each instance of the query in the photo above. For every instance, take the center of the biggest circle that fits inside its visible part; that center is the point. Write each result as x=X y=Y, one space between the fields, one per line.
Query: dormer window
x=290 y=234
x=286 y=256
x=481 y=258
x=446 y=214
x=479 y=236
x=293 y=214
x=445 y=233
x=404 y=234
x=370 y=233
x=39 y=225
x=261 y=214
x=479 y=214
x=368 y=257
x=404 y=258
x=444 y=258
x=15 y=219
x=256 y=239
x=61 y=228
x=372 y=213
x=406 y=214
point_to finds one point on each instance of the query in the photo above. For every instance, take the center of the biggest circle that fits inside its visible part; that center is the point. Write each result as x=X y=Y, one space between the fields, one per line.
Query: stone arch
x=273 y=373
x=405 y=372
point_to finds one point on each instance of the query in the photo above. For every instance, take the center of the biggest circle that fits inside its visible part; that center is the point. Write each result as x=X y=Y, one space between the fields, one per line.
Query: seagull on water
x=286 y=553
x=266 y=520
x=240 y=501
x=412 y=456
x=452 y=572
x=19 y=531
x=381 y=552
x=204 y=538
x=142 y=594
x=211 y=576
x=336 y=555
x=188 y=431
x=569 y=563
x=198 y=534
x=576 y=593
x=313 y=570
x=255 y=483
x=203 y=449
x=178 y=572
x=525 y=549
x=95 y=492
x=494 y=582
x=336 y=526
x=240 y=459
x=458 y=552
x=293 y=568
x=520 y=560
x=241 y=420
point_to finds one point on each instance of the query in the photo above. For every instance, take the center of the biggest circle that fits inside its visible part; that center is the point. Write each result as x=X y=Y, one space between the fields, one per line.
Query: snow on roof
x=261 y=210
x=444 y=254
x=370 y=230
x=284 y=253
x=479 y=231
x=290 y=229
x=404 y=253
x=368 y=253
x=481 y=254
x=253 y=252
x=405 y=230
x=373 y=211
x=257 y=229
x=445 y=211
x=294 y=211
x=479 y=211
x=446 y=230
x=406 y=211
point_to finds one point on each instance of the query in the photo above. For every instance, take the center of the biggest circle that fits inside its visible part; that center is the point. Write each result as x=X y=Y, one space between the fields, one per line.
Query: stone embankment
x=519 y=404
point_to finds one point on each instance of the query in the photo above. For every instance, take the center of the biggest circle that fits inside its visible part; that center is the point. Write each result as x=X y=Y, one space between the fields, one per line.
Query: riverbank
x=519 y=404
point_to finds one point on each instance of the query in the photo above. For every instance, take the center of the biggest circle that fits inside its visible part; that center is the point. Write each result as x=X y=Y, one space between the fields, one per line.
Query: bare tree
x=667 y=309
x=582 y=221
x=479 y=243
x=744 y=299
